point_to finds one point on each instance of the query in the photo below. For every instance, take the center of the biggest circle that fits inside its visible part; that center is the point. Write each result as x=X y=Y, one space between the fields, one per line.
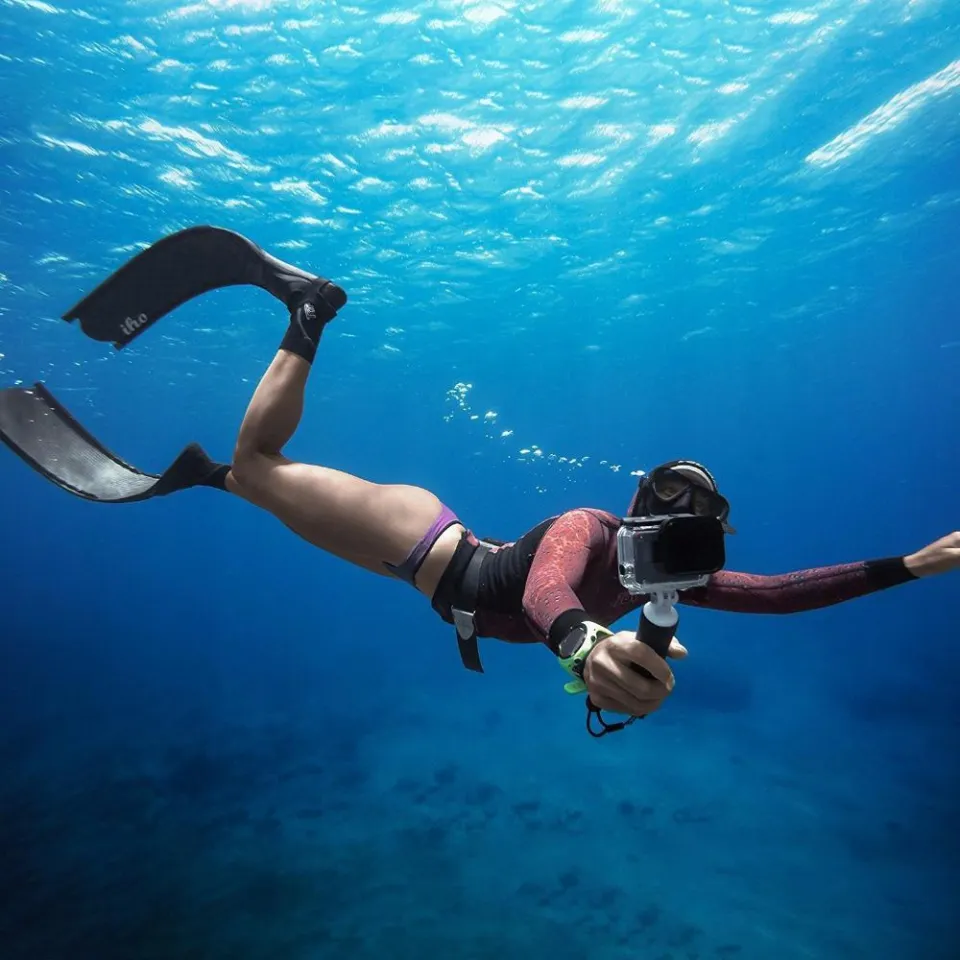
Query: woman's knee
x=250 y=468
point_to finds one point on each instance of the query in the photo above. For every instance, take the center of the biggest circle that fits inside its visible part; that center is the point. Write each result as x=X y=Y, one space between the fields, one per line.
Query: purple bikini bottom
x=408 y=569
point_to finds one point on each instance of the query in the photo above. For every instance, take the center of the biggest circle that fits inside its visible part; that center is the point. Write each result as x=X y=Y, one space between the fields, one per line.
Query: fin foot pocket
x=192 y=468
x=323 y=295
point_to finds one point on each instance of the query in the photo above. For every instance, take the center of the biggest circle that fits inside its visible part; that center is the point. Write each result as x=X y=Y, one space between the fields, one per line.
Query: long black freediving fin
x=172 y=271
x=43 y=432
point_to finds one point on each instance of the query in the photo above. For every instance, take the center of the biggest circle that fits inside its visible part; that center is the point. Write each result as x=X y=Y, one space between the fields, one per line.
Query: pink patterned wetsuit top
x=567 y=572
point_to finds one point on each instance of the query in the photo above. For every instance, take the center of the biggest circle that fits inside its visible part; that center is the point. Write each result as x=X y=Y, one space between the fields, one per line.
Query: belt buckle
x=464 y=622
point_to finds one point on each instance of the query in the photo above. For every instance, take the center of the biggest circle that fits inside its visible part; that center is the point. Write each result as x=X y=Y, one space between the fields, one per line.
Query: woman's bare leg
x=363 y=522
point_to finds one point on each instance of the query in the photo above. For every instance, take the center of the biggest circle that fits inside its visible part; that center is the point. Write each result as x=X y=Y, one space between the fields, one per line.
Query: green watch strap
x=574 y=664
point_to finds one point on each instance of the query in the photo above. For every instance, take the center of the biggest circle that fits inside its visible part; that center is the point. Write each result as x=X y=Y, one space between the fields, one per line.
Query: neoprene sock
x=217 y=478
x=313 y=309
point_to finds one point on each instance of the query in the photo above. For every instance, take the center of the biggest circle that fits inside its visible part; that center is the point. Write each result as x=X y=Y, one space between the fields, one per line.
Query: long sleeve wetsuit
x=565 y=571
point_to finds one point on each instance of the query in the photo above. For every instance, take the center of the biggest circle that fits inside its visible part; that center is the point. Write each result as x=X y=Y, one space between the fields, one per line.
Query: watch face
x=572 y=642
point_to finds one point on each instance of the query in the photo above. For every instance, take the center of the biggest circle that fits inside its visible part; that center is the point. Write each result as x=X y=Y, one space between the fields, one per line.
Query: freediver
x=558 y=584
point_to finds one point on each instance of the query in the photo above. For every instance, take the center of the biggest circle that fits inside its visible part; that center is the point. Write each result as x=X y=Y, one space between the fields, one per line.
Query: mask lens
x=668 y=485
x=699 y=504
x=706 y=503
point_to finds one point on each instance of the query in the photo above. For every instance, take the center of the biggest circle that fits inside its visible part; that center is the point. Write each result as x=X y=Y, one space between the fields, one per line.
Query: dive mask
x=668 y=491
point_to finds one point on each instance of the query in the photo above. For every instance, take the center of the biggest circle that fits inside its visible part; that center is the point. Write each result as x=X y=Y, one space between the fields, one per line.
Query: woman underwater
x=558 y=584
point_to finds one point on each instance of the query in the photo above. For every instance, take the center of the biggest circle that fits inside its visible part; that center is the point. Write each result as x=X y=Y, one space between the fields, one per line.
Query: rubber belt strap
x=464 y=613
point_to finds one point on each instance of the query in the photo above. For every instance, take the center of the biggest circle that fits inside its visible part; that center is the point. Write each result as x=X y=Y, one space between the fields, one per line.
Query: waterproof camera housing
x=655 y=554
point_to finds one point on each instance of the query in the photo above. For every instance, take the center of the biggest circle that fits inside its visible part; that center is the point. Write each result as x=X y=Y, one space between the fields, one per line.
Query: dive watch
x=574 y=649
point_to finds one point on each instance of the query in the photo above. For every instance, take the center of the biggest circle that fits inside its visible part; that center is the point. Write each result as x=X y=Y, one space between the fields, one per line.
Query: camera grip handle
x=658 y=626
x=656 y=635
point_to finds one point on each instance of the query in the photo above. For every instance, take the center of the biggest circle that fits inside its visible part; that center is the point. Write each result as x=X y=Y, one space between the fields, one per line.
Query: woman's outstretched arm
x=822 y=586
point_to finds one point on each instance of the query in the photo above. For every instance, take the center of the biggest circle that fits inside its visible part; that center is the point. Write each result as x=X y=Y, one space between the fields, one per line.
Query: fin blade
x=161 y=278
x=47 y=437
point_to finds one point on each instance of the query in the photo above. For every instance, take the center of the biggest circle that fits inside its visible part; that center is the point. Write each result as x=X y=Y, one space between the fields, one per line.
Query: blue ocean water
x=579 y=239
